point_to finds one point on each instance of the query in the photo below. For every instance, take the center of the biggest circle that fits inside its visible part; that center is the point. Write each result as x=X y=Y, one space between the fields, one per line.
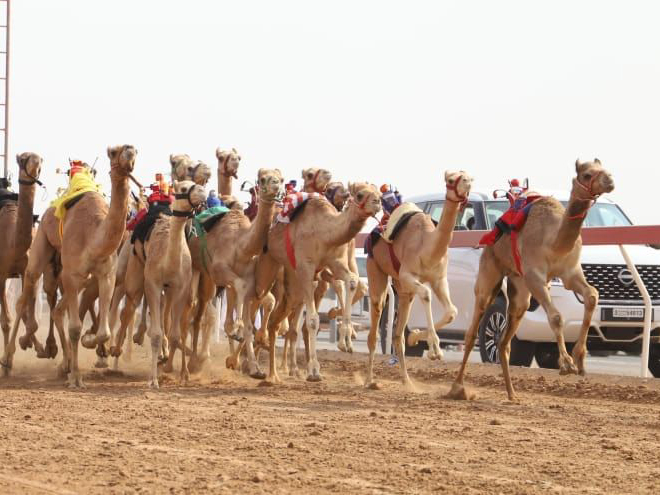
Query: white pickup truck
x=617 y=322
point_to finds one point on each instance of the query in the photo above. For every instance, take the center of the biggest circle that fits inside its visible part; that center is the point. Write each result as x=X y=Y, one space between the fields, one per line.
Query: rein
x=462 y=200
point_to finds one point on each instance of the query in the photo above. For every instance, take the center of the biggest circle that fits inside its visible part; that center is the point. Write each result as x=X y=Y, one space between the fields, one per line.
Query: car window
x=362 y=266
x=494 y=210
x=464 y=221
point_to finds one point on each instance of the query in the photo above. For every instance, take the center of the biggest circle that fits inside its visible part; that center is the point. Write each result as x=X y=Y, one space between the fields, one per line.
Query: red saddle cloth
x=137 y=219
x=511 y=222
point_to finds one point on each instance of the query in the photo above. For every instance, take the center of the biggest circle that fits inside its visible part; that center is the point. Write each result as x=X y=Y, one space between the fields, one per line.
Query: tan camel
x=421 y=249
x=16 y=223
x=549 y=246
x=228 y=163
x=316 y=179
x=318 y=234
x=184 y=168
x=91 y=234
x=231 y=246
x=168 y=273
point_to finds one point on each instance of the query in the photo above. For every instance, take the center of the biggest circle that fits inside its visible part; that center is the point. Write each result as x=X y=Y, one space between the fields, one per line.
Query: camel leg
x=253 y=365
x=341 y=272
x=305 y=286
x=488 y=284
x=70 y=301
x=168 y=351
x=539 y=289
x=50 y=288
x=268 y=304
x=377 y=291
x=230 y=328
x=181 y=306
x=57 y=318
x=403 y=313
x=578 y=284
x=441 y=290
x=5 y=318
x=41 y=252
x=205 y=293
x=138 y=338
x=153 y=297
x=209 y=327
x=133 y=290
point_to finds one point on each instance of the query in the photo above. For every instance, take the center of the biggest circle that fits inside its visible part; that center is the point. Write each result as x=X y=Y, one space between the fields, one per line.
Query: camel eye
x=359 y=196
x=184 y=189
x=451 y=181
x=310 y=175
x=587 y=176
x=262 y=181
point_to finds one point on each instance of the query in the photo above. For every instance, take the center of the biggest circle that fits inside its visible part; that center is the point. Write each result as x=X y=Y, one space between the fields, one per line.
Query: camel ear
x=447 y=174
x=112 y=152
x=171 y=159
x=577 y=165
x=597 y=161
x=19 y=159
x=218 y=153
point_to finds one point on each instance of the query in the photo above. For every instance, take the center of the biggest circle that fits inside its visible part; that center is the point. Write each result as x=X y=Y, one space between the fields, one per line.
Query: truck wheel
x=547 y=355
x=522 y=352
x=654 y=360
x=492 y=326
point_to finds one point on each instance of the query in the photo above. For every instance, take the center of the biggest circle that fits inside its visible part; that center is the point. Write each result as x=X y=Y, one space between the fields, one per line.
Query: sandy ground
x=228 y=433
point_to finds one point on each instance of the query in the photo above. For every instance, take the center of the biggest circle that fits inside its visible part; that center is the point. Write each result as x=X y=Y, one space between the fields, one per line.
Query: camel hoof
x=63 y=370
x=25 y=342
x=153 y=384
x=115 y=351
x=167 y=367
x=51 y=349
x=101 y=363
x=196 y=364
x=373 y=386
x=258 y=375
x=138 y=338
x=294 y=372
x=459 y=392
x=314 y=378
x=88 y=340
x=231 y=362
x=76 y=382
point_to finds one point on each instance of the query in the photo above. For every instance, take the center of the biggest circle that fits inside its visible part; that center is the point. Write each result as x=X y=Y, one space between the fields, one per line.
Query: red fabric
x=138 y=218
x=290 y=252
x=395 y=261
x=512 y=221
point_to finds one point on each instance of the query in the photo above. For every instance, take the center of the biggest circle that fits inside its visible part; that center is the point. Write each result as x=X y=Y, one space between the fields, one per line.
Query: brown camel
x=168 y=270
x=318 y=235
x=549 y=246
x=421 y=249
x=316 y=179
x=16 y=222
x=231 y=246
x=228 y=163
x=91 y=234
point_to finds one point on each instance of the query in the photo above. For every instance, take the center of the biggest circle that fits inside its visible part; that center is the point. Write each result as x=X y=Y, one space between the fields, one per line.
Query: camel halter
x=224 y=167
x=362 y=206
x=462 y=199
x=32 y=180
x=186 y=196
x=593 y=197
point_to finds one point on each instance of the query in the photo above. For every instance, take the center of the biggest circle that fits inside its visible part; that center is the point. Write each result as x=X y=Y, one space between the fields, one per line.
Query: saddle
x=144 y=227
x=7 y=197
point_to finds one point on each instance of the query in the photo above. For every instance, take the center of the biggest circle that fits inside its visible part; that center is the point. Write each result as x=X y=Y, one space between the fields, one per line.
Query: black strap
x=186 y=196
x=181 y=213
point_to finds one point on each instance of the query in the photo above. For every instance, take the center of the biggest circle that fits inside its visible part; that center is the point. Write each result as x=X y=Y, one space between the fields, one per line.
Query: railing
x=591 y=236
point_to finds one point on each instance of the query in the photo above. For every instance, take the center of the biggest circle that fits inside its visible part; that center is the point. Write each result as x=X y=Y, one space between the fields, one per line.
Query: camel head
x=337 y=194
x=183 y=168
x=458 y=186
x=228 y=162
x=29 y=168
x=316 y=179
x=365 y=197
x=122 y=158
x=592 y=180
x=271 y=184
x=188 y=195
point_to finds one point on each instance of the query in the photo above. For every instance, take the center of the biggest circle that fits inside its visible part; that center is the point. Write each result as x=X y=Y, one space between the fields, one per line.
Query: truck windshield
x=600 y=215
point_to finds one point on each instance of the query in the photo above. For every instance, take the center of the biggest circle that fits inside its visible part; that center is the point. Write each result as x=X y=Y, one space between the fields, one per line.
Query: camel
x=549 y=245
x=316 y=179
x=231 y=246
x=168 y=270
x=16 y=221
x=421 y=250
x=183 y=168
x=90 y=236
x=318 y=235
x=228 y=163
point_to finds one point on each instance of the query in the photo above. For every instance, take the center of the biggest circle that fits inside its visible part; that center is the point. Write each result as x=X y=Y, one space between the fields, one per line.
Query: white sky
x=378 y=91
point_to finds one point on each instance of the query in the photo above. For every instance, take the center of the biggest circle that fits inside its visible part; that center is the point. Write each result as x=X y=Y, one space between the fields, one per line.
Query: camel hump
x=399 y=218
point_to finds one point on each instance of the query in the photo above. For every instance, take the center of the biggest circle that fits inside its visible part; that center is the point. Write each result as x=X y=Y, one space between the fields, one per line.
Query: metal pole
x=6 y=150
x=648 y=312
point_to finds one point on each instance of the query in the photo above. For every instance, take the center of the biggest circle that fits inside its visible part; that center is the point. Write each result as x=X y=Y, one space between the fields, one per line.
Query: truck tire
x=547 y=355
x=491 y=327
x=654 y=360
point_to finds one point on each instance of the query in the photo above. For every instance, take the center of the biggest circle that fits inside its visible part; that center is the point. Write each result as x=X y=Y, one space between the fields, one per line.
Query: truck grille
x=614 y=282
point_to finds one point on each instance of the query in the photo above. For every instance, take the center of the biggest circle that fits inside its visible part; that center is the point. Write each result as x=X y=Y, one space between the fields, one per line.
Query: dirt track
x=225 y=432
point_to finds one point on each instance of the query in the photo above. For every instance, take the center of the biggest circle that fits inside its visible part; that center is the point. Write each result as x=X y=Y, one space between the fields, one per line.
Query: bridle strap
x=462 y=200
x=32 y=180
x=182 y=213
x=224 y=167
x=593 y=197
x=185 y=196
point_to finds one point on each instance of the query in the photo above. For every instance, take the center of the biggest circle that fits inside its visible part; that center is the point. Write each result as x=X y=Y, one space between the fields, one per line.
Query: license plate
x=622 y=314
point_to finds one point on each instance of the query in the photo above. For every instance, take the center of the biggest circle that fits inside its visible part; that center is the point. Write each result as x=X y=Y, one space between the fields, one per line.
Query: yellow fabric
x=81 y=183
x=401 y=210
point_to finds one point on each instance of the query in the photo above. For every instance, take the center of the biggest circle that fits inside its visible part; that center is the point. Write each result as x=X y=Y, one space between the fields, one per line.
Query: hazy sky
x=391 y=92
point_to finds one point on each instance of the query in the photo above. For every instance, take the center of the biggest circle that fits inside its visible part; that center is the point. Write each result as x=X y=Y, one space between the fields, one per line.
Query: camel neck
x=571 y=223
x=444 y=231
x=176 y=242
x=111 y=230
x=256 y=236
x=346 y=225
x=225 y=183
x=24 y=222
